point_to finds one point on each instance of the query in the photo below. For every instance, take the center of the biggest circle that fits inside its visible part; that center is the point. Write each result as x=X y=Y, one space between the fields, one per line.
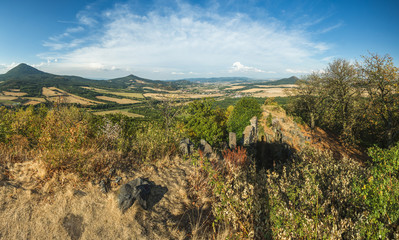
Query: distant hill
x=23 y=70
x=290 y=80
x=283 y=81
x=31 y=80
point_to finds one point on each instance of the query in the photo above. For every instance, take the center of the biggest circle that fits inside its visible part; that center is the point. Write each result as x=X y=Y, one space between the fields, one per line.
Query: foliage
x=243 y=111
x=381 y=81
x=308 y=198
x=230 y=183
x=358 y=102
x=73 y=140
x=379 y=191
x=203 y=121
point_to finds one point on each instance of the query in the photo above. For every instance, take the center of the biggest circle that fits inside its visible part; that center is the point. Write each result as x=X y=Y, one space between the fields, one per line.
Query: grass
x=117 y=100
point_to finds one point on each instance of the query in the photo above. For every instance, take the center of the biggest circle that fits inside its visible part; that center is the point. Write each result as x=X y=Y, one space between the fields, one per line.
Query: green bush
x=379 y=191
x=308 y=198
x=203 y=121
x=243 y=111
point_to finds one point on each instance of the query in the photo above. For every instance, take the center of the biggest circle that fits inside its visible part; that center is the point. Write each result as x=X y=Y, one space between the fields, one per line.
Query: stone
x=139 y=189
x=186 y=146
x=205 y=148
x=232 y=140
x=250 y=134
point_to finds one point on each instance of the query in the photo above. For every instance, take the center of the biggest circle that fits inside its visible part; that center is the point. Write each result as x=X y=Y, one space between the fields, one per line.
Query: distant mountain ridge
x=24 y=69
x=31 y=80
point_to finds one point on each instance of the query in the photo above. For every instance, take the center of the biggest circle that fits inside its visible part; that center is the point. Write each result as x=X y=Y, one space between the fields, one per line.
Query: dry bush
x=229 y=183
x=310 y=197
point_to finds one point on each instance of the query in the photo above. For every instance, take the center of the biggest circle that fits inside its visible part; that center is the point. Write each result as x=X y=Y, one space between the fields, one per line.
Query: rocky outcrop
x=250 y=134
x=232 y=140
x=205 y=148
x=139 y=189
x=186 y=146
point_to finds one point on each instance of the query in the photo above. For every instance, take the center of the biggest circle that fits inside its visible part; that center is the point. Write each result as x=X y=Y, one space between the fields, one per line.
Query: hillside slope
x=37 y=208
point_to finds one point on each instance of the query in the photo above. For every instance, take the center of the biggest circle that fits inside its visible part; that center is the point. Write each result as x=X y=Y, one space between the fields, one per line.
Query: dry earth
x=32 y=207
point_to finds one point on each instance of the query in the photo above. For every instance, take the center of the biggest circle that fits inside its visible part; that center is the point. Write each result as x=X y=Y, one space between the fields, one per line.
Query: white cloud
x=6 y=67
x=182 y=40
x=238 y=67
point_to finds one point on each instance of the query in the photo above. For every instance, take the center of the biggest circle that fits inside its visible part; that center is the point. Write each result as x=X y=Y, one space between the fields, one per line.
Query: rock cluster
x=139 y=189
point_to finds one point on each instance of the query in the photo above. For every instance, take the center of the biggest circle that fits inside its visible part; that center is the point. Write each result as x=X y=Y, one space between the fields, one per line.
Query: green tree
x=203 y=121
x=243 y=111
x=305 y=101
x=380 y=79
x=340 y=93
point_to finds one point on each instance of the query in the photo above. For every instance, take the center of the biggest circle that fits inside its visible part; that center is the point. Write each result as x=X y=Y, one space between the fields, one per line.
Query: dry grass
x=14 y=93
x=54 y=94
x=7 y=98
x=122 y=111
x=32 y=102
x=117 y=100
x=266 y=92
x=36 y=99
x=234 y=87
x=63 y=208
x=51 y=92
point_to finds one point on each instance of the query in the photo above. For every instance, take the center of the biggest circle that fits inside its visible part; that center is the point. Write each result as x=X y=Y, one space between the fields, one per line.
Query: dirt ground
x=32 y=207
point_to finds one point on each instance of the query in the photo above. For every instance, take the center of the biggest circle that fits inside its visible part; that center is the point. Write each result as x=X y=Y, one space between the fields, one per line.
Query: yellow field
x=32 y=102
x=36 y=99
x=122 y=94
x=14 y=93
x=7 y=98
x=234 y=87
x=54 y=94
x=52 y=91
x=270 y=92
x=122 y=111
x=117 y=100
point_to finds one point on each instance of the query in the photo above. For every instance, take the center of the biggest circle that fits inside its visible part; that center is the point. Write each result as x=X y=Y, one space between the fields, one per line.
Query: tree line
x=358 y=101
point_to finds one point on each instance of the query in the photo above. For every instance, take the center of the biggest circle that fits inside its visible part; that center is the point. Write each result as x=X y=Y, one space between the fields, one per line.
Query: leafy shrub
x=243 y=111
x=310 y=197
x=203 y=121
x=379 y=191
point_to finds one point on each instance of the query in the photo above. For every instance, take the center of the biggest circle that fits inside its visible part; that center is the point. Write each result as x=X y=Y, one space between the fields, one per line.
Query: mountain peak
x=23 y=69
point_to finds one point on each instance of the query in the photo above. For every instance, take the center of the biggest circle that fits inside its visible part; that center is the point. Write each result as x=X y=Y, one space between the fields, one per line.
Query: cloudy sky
x=177 y=39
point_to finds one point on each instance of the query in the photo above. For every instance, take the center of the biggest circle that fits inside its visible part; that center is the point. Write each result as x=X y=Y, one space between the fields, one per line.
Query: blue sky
x=185 y=39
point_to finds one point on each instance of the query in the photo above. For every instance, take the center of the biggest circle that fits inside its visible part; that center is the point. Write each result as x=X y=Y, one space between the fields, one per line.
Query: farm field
x=118 y=100
x=53 y=94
